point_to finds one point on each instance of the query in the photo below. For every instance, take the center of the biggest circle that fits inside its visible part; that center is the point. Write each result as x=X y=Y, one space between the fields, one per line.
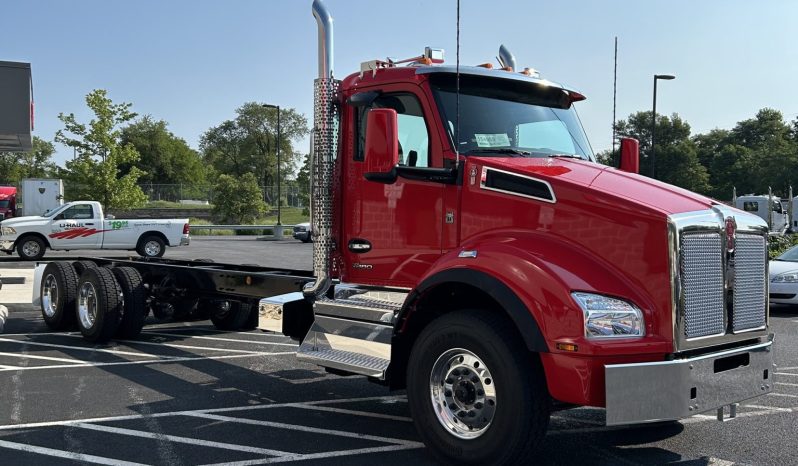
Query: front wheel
x=31 y=248
x=477 y=396
x=151 y=246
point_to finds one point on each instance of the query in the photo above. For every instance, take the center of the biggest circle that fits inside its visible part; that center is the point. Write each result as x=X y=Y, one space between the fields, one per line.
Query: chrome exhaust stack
x=324 y=139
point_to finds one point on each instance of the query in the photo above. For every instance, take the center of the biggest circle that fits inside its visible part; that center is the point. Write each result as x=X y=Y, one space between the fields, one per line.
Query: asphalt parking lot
x=189 y=394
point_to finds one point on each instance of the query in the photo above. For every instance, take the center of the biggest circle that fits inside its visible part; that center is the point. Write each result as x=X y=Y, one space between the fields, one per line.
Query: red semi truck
x=8 y=202
x=469 y=249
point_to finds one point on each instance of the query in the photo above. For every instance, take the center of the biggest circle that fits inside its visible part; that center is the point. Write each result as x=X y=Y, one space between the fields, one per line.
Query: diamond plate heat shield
x=325 y=139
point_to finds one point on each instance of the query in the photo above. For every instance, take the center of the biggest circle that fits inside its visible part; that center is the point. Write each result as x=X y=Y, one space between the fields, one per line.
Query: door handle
x=359 y=245
x=90 y=224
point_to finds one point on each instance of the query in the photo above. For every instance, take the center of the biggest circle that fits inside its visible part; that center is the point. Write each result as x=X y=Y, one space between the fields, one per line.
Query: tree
x=36 y=163
x=94 y=173
x=238 y=200
x=247 y=144
x=166 y=158
x=303 y=181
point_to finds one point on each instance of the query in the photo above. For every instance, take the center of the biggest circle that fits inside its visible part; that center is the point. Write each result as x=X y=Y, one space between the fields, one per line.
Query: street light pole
x=278 y=160
x=654 y=122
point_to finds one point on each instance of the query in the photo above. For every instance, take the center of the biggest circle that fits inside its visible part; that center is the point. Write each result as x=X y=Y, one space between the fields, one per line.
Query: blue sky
x=192 y=62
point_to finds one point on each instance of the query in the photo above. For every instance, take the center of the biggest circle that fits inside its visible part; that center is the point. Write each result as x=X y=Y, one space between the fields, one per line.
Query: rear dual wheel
x=99 y=304
x=58 y=291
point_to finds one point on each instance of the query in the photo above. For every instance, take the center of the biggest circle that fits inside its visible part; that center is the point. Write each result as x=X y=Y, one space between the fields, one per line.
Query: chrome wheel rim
x=152 y=248
x=31 y=248
x=49 y=295
x=87 y=305
x=463 y=393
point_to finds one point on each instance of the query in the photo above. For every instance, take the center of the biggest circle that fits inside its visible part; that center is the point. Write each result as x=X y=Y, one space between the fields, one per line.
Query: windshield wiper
x=500 y=150
x=566 y=156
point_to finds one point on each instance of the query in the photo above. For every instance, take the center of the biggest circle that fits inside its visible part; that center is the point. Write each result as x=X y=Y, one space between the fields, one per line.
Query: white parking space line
x=144 y=361
x=171 y=345
x=31 y=425
x=186 y=440
x=46 y=358
x=312 y=430
x=353 y=412
x=788 y=368
x=786 y=395
x=202 y=337
x=7 y=368
x=64 y=454
x=82 y=348
x=786 y=410
x=787 y=384
x=317 y=456
x=786 y=373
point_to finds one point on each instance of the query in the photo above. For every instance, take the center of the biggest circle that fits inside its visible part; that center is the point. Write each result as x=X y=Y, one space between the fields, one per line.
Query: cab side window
x=413 y=133
x=78 y=212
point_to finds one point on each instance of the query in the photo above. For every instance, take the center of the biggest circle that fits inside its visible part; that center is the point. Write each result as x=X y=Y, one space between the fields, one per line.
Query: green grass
x=288 y=216
x=199 y=221
x=175 y=205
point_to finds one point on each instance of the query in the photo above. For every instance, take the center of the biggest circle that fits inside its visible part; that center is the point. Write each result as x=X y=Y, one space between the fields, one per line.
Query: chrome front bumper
x=185 y=240
x=669 y=390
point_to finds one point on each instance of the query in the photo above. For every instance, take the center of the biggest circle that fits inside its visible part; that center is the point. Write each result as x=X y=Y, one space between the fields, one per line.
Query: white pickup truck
x=81 y=225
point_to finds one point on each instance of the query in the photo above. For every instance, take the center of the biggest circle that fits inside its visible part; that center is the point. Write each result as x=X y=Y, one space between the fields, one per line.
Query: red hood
x=657 y=195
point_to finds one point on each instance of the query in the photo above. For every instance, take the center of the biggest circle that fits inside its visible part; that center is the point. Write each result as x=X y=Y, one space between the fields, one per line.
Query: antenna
x=614 y=93
x=457 y=94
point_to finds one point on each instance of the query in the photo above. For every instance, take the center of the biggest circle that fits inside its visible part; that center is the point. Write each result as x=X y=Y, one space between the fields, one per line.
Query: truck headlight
x=7 y=231
x=786 y=277
x=607 y=317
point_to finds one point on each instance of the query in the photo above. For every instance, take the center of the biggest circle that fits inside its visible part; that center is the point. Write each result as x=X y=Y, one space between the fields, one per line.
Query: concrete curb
x=3 y=316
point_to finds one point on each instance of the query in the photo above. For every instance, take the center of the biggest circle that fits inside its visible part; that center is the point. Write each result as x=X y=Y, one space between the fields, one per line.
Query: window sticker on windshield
x=492 y=140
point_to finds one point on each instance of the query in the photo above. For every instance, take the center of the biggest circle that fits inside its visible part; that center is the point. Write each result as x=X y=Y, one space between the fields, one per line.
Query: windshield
x=4 y=204
x=790 y=255
x=509 y=117
x=53 y=212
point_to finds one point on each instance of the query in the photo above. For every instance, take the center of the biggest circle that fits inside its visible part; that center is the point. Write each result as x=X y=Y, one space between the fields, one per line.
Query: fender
x=532 y=275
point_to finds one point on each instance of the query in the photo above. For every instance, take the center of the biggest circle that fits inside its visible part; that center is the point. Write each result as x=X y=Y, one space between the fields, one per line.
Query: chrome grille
x=749 y=283
x=702 y=284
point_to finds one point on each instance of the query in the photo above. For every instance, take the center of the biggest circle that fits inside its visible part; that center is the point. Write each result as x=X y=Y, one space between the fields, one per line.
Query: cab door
x=77 y=227
x=391 y=233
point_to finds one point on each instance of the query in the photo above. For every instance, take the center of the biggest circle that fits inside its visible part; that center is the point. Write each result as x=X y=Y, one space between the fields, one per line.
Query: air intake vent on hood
x=519 y=185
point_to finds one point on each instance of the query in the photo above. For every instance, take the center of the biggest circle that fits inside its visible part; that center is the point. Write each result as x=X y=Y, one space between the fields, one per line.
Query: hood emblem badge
x=731 y=233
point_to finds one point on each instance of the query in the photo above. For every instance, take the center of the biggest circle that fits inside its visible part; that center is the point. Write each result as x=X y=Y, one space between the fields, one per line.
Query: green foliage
x=248 y=144
x=36 y=163
x=757 y=153
x=94 y=173
x=203 y=232
x=166 y=158
x=238 y=200
x=777 y=245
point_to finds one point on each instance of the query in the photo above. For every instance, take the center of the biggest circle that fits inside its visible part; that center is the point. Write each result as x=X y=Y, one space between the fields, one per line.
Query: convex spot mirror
x=630 y=155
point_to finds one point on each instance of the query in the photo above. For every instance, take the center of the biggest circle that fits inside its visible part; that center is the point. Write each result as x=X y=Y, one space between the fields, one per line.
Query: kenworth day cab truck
x=8 y=202
x=468 y=248
x=81 y=225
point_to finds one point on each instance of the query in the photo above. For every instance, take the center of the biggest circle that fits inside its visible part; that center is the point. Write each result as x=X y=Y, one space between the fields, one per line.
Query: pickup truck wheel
x=134 y=304
x=151 y=246
x=82 y=265
x=31 y=248
x=99 y=304
x=229 y=315
x=475 y=394
x=59 y=288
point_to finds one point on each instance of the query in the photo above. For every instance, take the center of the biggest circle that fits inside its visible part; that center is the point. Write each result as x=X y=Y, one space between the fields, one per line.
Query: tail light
x=186 y=229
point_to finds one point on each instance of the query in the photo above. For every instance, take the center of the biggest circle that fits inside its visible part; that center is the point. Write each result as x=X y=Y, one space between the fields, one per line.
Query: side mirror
x=630 y=155
x=382 y=145
x=110 y=217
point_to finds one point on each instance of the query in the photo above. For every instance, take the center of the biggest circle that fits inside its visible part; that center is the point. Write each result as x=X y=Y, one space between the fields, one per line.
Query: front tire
x=151 y=246
x=31 y=248
x=98 y=305
x=58 y=291
x=476 y=395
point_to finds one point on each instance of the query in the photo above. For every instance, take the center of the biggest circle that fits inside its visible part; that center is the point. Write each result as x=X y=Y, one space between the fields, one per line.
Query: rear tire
x=31 y=248
x=82 y=265
x=58 y=291
x=229 y=315
x=476 y=395
x=134 y=305
x=98 y=305
x=151 y=246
